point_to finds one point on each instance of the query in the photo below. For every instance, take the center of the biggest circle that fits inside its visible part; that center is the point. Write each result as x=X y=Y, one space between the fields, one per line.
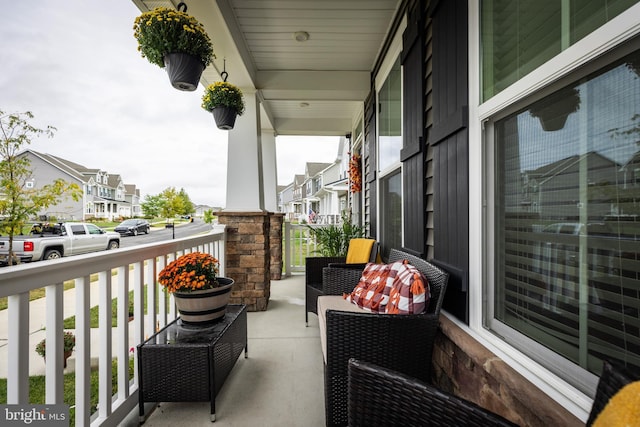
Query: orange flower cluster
x=190 y=272
x=355 y=173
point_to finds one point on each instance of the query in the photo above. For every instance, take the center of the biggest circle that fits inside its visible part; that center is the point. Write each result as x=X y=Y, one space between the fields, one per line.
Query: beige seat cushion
x=332 y=302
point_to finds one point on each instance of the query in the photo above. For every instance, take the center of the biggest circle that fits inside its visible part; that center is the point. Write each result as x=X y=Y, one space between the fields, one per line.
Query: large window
x=519 y=36
x=566 y=223
x=389 y=146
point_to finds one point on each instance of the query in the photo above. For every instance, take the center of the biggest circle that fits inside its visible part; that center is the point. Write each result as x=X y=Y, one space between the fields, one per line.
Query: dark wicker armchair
x=314 y=267
x=313 y=281
x=614 y=376
x=382 y=397
x=400 y=342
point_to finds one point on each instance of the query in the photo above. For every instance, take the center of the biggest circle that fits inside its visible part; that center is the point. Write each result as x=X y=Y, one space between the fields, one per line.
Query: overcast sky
x=75 y=65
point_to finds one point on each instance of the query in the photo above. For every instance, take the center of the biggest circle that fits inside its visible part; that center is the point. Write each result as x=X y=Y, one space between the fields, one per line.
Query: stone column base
x=275 y=245
x=248 y=257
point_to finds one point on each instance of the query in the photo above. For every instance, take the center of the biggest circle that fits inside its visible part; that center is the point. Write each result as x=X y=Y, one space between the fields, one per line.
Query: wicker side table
x=189 y=363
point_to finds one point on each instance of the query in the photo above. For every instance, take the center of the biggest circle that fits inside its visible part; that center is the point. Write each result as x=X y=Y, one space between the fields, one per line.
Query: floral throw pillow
x=369 y=293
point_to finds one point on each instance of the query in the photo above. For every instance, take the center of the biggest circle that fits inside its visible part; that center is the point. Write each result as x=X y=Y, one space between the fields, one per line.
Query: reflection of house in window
x=631 y=171
x=550 y=191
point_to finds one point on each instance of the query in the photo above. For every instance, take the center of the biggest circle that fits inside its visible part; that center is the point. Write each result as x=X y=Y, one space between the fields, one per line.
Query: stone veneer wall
x=248 y=257
x=275 y=244
x=463 y=367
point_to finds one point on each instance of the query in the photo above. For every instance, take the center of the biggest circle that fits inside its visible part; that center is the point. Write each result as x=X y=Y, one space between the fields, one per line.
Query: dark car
x=133 y=227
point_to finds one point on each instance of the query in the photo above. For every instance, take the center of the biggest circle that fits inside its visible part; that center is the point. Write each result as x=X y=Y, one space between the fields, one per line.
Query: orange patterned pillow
x=408 y=289
x=369 y=292
x=397 y=288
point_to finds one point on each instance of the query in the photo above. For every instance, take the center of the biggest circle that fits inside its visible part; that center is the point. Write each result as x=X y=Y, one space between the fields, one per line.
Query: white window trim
x=612 y=34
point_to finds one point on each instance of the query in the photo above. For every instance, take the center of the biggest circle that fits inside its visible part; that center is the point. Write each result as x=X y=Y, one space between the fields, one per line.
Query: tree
x=208 y=216
x=168 y=204
x=18 y=203
x=187 y=205
x=173 y=204
x=152 y=205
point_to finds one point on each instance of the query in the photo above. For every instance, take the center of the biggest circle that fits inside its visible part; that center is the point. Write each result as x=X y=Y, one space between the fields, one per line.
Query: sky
x=75 y=65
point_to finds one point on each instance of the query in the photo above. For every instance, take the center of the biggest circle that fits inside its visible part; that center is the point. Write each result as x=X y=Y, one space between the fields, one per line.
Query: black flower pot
x=184 y=70
x=225 y=117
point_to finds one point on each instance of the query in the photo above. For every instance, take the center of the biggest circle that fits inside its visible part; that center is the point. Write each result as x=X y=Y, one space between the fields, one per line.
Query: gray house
x=104 y=195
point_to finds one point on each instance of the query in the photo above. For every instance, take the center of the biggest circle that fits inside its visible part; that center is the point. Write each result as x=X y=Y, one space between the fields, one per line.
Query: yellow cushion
x=623 y=409
x=359 y=251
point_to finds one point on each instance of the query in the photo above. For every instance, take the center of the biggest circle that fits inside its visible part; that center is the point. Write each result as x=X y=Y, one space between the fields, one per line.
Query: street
x=161 y=234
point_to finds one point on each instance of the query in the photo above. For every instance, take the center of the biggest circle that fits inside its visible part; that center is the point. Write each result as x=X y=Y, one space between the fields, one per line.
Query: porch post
x=270 y=170
x=247 y=221
x=244 y=164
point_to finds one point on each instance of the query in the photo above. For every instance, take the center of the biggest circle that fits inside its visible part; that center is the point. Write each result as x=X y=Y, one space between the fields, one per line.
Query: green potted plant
x=69 y=345
x=333 y=240
x=175 y=40
x=200 y=295
x=225 y=101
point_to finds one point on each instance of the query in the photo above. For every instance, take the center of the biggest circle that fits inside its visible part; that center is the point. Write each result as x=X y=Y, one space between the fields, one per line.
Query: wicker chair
x=382 y=397
x=614 y=376
x=314 y=277
x=400 y=342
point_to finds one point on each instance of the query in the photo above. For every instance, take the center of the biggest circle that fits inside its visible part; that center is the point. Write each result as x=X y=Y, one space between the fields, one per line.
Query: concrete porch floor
x=279 y=384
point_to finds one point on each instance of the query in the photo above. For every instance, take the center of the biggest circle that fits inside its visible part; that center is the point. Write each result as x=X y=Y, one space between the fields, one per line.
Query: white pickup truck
x=51 y=241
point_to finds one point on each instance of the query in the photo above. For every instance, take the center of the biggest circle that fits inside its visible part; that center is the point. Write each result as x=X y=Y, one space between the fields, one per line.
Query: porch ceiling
x=313 y=87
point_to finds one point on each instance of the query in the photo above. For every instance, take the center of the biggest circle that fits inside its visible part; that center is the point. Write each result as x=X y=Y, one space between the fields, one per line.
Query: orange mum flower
x=190 y=272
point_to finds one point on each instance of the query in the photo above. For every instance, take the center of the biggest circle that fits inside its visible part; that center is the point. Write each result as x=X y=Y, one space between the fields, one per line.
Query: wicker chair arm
x=338 y=280
x=358 y=266
x=382 y=397
x=314 y=266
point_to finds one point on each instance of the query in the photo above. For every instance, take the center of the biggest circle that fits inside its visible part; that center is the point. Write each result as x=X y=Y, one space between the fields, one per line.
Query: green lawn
x=37 y=388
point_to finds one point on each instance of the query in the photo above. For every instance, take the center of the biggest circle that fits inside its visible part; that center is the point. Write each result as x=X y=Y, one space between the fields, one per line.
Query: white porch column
x=270 y=170
x=245 y=187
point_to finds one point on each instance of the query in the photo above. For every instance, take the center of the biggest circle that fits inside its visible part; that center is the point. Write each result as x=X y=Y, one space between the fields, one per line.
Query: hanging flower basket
x=225 y=101
x=184 y=70
x=554 y=110
x=163 y=33
x=225 y=117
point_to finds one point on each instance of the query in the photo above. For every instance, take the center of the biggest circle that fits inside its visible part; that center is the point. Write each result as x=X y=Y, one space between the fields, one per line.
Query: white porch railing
x=298 y=245
x=125 y=269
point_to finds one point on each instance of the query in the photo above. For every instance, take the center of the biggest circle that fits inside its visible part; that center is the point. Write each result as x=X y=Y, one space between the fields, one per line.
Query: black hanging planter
x=225 y=117
x=184 y=70
x=554 y=110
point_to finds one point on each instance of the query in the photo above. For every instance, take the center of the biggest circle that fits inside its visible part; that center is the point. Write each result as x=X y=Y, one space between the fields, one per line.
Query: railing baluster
x=122 y=345
x=18 y=372
x=54 y=388
x=83 y=350
x=104 y=357
x=138 y=311
x=152 y=312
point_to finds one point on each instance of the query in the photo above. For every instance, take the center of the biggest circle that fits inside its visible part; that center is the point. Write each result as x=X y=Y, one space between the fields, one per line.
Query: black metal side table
x=189 y=363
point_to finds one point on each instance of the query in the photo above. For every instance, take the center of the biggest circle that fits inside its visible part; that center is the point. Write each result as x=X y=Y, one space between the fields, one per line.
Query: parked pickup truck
x=52 y=241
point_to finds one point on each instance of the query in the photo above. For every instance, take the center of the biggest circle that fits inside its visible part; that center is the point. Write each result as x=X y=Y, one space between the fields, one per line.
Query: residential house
x=450 y=104
x=132 y=196
x=104 y=195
